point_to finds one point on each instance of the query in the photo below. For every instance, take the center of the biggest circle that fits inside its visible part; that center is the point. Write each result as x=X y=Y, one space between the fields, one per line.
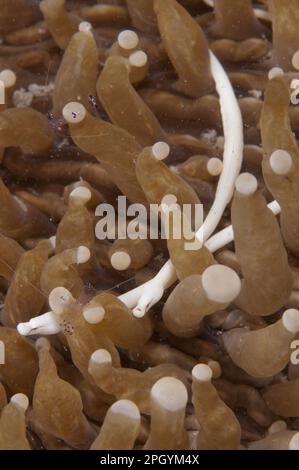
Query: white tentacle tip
x=160 y=150
x=83 y=255
x=221 y=284
x=290 y=320
x=101 y=356
x=24 y=328
x=8 y=78
x=52 y=241
x=170 y=393
x=94 y=315
x=85 y=27
x=202 y=373
x=74 y=112
x=126 y=408
x=59 y=298
x=281 y=162
x=295 y=60
x=275 y=72
x=152 y=294
x=128 y=39
x=214 y=166
x=246 y=184
x=20 y=400
x=81 y=193
x=45 y=324
x=120 y=260
x=139 y=312
x=277 y=426
x=138 y=59
x=294 y=442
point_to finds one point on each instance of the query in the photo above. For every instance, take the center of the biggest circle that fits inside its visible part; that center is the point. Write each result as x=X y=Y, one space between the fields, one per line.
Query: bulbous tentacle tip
x=290 y=320
x=277 y=426
x=295 y=60
x=74 y=112
x=138 y=59
x=275 y=72
x=160 y=150
x=94 y=315
x=150 y=296
x=24 y=328
x=128 y=39
x=59 y=298
x=20 y=400
x=52 y=241
x=215 y=166
x=45 y=324
x=120 y=260
x=101 y=356
x=221 y=284
x=126 y=408
x=85 y=27
x=170 y=393
x=83 y=254
x=281 y=162
x=246 y=184
x=82 y=194
x=139 y=312
x=8 y=78
x=202 y=373
x=294 y=442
